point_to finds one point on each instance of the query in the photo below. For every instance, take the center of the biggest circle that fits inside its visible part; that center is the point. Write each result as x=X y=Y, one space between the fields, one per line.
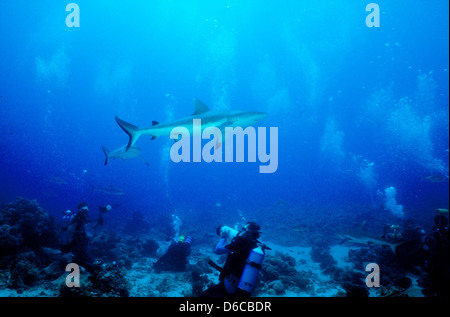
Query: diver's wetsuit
x=80 y=243
x=239 y=250
x=438 y=268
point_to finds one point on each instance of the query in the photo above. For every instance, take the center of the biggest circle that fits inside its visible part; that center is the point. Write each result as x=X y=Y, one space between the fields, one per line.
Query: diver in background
x=408 y=242
x=175 y=257
x=438 y=264
x=176 y=225
x=66 y=220
x=102 y=210
x=80 y=232
x=64 y=239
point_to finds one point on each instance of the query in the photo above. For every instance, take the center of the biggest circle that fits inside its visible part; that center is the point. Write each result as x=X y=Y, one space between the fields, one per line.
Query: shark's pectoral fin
x=221 y=138
x=218 y=144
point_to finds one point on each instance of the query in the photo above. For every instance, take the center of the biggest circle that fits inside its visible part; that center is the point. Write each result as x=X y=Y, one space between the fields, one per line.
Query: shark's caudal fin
x=132 y=131
x=105 y=150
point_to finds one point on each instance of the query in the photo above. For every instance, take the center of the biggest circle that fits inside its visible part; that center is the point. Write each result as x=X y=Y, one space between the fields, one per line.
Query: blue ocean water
x=358 y=109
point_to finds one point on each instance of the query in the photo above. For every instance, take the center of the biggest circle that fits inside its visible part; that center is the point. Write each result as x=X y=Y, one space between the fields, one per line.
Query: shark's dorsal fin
x=200 y=107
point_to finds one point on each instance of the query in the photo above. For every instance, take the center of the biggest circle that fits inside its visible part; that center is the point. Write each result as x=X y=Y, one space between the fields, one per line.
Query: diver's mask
x=83 y=211
x=251 y=229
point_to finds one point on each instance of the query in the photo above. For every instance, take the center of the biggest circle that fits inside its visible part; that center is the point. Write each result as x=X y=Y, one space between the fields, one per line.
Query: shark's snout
x=258 y=116
x=261 y=115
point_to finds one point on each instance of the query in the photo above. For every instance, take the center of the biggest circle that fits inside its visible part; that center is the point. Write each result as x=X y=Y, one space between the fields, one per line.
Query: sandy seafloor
x=145 y=282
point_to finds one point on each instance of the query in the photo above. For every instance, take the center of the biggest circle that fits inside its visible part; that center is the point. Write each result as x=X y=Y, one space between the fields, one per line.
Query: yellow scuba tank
x=251 y=269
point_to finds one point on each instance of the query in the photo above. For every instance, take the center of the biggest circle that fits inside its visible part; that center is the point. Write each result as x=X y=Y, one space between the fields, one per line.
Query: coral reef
x=320 y=252
x=108 y=280
x=353 y=290
x=30 y=255
x=86 y=288
x=149 y=247
x=27 y=235
x=351 y=281
x=22 y=271
x=25 y=225
x=31 y=262
x=394 y=281
x=124 y=250
x=279 y=274
x=27 y=268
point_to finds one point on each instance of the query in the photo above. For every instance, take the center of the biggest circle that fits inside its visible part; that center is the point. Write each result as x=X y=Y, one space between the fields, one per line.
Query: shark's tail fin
x=132 y=131
x=105 y=150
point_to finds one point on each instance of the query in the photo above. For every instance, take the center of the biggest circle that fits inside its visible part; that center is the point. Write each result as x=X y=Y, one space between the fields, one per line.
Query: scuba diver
x=407 y=242
x=77 y=231
x=176 y=225
x=64 y=239
x=175 y=257
x=80 y=232
x=102 y=210
x=392 y=233
x=245 y=256
x=437 y=264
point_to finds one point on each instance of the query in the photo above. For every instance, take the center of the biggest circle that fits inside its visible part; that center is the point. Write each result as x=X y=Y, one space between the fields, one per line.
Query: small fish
x=55 y=180
x=280 y=202
x=436 y=178
x=111 y=190
x=301 y=228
